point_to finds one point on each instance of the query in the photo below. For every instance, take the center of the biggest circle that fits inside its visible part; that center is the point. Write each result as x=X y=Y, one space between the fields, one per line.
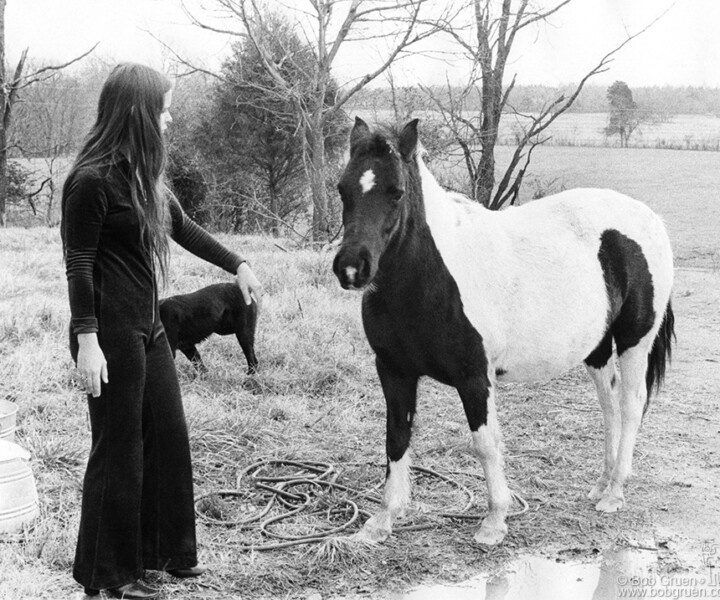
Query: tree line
x=257 y=145
x=669 y=100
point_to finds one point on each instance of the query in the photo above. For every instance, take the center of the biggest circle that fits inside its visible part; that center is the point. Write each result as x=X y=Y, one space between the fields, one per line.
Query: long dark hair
x=128 y=129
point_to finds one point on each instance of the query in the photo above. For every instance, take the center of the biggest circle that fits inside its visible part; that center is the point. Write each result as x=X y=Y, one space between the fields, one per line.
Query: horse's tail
x=660 y=354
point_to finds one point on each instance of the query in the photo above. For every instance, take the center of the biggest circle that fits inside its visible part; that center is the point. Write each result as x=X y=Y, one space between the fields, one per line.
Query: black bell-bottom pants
x=137 y=502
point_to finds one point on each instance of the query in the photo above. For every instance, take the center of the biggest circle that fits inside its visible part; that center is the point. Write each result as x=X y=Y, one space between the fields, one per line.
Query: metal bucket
x=18 y=495
x=8 y=412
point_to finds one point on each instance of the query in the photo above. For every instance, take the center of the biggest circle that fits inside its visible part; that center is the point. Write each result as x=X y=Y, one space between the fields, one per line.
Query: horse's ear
x=359 y=131
x=408 y=139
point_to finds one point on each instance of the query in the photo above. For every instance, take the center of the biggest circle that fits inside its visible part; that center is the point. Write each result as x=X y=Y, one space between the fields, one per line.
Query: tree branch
x=47 y=72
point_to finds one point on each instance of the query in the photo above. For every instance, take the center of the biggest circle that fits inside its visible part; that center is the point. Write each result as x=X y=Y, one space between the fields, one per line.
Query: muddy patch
x=673 y=569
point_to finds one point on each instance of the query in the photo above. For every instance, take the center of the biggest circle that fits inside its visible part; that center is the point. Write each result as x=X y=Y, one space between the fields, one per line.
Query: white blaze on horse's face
x=367 y=181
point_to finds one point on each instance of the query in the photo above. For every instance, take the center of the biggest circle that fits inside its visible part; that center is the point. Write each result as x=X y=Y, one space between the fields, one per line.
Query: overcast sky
x=683 y=48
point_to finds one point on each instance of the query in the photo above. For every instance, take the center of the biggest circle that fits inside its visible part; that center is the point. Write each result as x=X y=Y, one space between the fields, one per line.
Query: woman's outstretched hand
x=249 y=284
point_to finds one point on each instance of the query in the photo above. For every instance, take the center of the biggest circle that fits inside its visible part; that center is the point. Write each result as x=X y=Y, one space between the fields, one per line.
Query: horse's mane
x=383 y=138
x=386 y=136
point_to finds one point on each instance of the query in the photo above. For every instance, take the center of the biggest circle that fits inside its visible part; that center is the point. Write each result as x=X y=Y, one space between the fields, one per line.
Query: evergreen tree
x=252 y=138
x=624 y=115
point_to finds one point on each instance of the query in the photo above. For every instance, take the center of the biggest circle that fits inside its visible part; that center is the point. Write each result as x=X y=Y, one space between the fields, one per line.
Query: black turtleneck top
x=110 y=272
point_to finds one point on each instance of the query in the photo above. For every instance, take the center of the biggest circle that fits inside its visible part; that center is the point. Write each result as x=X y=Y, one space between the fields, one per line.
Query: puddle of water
x=622 y=573
x=529 y=577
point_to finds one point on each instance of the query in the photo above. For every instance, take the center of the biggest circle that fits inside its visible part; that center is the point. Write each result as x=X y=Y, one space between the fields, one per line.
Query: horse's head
x=372 y=188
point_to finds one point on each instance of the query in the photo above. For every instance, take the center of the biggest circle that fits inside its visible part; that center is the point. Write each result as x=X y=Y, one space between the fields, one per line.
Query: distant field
x=700 y=132
x=682 y=186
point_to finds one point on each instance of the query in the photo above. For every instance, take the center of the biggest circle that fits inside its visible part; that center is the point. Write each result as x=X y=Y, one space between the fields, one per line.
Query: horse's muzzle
x=352 y=267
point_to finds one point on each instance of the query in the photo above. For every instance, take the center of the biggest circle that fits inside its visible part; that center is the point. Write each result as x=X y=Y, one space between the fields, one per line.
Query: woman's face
x=165 y=116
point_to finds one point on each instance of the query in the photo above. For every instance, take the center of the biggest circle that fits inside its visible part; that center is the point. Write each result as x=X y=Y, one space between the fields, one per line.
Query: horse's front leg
x=400 y=397
x=478 y=398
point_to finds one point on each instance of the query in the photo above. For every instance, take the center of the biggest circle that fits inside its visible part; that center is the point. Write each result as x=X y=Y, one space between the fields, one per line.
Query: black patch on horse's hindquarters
x=599 y=357
x=630 y=293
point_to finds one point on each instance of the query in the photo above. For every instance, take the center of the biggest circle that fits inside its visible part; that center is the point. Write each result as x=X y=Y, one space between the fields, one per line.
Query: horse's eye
x=395 y=192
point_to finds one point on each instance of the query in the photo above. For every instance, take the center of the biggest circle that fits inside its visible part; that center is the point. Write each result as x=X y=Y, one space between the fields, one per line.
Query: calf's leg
x=191 y=351
x=246 y=338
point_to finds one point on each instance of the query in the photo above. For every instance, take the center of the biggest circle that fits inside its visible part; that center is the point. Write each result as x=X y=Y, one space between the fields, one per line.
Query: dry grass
x=316 y=398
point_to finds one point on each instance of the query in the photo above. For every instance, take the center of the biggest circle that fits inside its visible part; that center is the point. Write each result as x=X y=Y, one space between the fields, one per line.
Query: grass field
x=316 y=398
x=686 y=132
x=680 y=186
x=587 y=129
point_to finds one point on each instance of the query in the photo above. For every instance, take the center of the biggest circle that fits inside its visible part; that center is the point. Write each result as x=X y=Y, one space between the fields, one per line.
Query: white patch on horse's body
x=529 y=277
x=397 y=492
x=367 y=181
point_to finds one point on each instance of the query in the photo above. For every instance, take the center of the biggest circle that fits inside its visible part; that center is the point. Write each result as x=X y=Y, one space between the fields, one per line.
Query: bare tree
x=489 y=48
x=328 y=26
x=50 y=119
x=9 y=90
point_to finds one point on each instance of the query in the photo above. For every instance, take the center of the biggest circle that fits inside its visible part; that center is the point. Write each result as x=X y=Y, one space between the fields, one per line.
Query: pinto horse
x=470 y=297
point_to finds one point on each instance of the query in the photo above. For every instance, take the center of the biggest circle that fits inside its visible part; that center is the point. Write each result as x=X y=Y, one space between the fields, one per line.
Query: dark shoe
x=139 y=589
x=189 y=572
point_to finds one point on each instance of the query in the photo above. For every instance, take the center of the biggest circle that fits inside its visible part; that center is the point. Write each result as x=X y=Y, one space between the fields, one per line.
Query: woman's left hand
x=249 y=284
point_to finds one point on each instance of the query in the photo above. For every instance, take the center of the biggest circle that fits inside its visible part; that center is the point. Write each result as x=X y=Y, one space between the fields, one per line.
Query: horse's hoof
x=598 y=491
x=360 y=539
x=610 y=504
x=371 y=535
x=489 y=536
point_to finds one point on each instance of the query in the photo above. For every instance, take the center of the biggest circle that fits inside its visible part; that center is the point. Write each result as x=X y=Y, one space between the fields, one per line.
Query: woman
x=137 y=505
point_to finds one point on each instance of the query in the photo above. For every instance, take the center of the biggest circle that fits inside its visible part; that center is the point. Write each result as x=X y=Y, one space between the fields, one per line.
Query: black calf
x=220 y=308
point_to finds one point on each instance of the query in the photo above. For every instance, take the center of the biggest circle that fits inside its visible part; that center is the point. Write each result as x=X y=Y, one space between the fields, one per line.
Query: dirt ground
x=553 y=438
x=683 y=431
